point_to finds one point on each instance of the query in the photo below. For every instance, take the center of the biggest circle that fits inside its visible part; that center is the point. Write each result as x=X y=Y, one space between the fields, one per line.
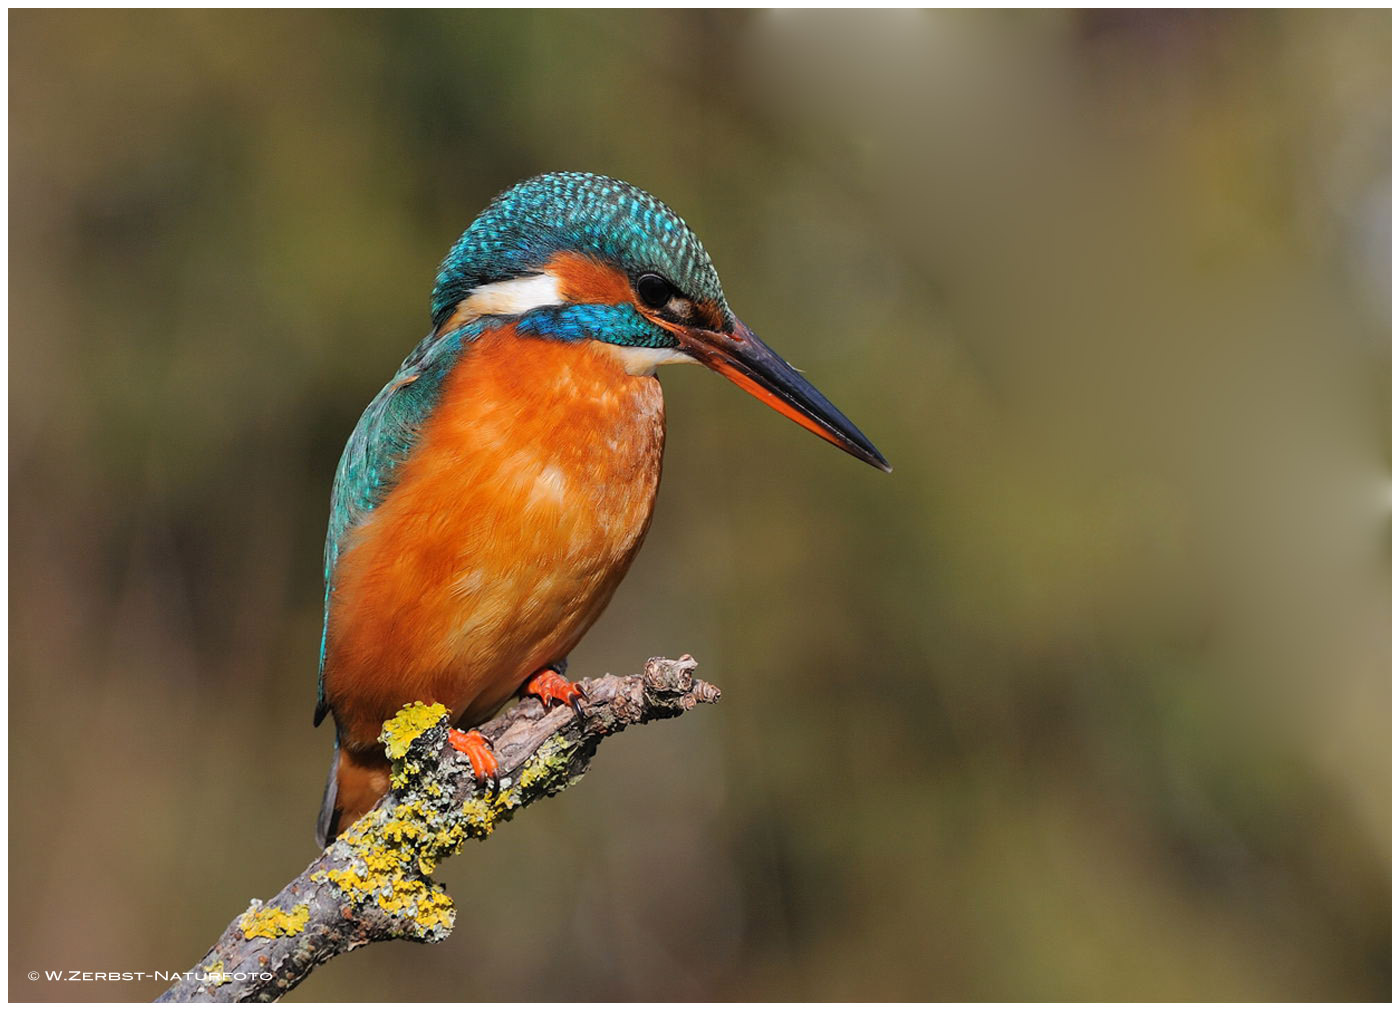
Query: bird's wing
x=382 y=440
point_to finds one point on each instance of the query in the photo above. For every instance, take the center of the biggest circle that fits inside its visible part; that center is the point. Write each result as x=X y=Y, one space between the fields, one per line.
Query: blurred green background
x=1089 y=699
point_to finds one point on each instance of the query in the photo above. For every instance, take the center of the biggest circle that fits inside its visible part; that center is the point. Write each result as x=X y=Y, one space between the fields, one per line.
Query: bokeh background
x=1089 y=699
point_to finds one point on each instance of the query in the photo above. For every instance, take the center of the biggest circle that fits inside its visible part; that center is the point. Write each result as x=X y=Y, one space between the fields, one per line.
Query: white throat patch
x=644 y=361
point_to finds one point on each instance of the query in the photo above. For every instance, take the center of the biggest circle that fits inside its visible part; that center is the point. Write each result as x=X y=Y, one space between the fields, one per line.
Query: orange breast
x=526 y=498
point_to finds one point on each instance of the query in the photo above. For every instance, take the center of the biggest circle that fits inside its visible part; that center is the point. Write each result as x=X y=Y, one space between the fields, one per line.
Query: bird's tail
x=355 y=784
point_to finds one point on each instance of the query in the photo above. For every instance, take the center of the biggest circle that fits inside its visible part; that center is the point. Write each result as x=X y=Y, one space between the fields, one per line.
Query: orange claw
x=478 y=751
x=551 y=686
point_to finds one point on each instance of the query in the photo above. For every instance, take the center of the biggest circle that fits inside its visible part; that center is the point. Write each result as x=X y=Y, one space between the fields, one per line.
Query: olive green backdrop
x=1089 y=699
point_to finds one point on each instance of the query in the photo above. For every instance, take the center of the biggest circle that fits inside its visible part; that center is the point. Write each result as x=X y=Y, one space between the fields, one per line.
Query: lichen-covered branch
x=374 y=883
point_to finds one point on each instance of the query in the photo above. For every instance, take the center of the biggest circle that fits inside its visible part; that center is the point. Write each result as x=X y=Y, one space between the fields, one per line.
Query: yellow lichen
x=407 y=725
x=482 y=813
x=385 y=858
x=546 y=769
x=435 y=911
x=269 y=921
x=214 y=973
x=391 y=852
x=550 y=763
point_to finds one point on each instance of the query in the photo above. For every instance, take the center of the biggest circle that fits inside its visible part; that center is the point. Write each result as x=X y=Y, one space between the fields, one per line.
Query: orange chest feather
x=522 y=505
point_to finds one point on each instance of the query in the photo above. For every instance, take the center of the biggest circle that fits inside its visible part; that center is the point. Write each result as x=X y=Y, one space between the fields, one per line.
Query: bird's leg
x=549 y=685
x=478 y=751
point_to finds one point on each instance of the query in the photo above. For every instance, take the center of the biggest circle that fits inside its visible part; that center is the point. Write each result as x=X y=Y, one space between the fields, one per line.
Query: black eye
x=654 y=290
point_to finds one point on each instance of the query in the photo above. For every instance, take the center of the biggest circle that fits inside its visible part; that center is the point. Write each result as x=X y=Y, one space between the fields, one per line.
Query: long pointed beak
x=757 y=369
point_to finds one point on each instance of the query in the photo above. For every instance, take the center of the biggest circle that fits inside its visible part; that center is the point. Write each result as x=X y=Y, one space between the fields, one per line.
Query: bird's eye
x=654 y=290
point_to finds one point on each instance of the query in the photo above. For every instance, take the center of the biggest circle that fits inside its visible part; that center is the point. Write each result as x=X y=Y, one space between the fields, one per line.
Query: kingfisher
x=496 y=490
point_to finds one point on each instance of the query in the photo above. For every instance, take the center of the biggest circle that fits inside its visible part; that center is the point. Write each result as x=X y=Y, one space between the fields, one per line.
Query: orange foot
x=551 y=686
x=478 y=751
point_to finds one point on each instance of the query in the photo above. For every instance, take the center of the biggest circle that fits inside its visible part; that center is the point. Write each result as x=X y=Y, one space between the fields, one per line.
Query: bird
x=496 y=490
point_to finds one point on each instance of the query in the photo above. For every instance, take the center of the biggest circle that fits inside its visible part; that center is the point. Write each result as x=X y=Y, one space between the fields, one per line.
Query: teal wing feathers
x=382 y=440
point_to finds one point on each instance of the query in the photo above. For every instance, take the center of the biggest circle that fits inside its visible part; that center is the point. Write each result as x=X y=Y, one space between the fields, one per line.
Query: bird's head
x=578 y=256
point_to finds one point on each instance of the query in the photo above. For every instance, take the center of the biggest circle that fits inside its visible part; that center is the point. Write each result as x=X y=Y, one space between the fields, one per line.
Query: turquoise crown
x=580 y=212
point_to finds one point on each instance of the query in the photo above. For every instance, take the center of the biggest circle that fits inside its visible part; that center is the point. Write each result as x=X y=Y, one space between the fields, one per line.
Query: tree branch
x=373 y=883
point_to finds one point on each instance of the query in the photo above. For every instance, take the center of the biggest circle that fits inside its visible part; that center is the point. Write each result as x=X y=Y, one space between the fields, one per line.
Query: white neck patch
x=508 y=298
